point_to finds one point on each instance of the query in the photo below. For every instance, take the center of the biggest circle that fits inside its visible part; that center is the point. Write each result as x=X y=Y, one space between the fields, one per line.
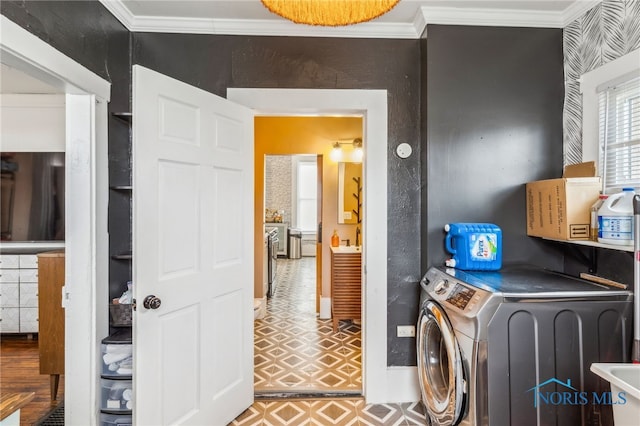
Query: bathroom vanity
x=346 y=284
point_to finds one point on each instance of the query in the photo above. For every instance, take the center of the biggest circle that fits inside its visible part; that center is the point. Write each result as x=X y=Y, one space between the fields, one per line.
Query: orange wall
x=302 y=135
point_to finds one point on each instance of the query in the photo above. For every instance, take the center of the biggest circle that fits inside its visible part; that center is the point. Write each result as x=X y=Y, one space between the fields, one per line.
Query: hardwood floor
x=20 y=372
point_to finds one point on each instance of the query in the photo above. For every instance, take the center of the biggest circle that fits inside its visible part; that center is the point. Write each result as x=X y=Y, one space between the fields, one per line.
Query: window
x=593 y=85
x=619 y=134
x=306 y=194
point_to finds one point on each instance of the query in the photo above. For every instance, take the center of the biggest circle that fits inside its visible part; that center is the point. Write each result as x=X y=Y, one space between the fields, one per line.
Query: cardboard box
x=560 y=208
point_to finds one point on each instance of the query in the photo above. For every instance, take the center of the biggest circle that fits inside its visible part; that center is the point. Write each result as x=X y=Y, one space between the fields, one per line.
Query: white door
x=193 y=250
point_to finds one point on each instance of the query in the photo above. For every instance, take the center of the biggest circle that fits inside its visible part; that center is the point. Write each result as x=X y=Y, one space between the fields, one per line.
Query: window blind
x=620 y=135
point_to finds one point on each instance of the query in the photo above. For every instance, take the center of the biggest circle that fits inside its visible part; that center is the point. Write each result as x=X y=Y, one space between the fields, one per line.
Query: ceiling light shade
x=329 y=13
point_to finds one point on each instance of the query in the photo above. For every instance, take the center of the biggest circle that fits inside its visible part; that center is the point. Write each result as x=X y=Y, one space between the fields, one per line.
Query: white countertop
x=345 y=249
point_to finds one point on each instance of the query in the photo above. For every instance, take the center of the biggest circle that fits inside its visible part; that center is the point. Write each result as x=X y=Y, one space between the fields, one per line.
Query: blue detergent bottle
x=474 y=246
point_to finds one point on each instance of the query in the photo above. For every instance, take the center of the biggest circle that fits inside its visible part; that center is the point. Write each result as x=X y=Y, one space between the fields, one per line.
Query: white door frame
x=381 y=384
x=86 y=275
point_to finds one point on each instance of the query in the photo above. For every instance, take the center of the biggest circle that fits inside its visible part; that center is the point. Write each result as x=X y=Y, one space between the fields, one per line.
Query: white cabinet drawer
x=28 y=275
x=29 y=261
x=28 y=320
x=29 y=295
x=9 y=261
x=9 y=295
x=9 y=275
x=9 y=320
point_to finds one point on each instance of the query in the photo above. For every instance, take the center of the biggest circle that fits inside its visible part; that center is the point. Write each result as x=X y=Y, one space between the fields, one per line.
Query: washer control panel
x=460 y=296
x=441 y=287
x=446 y=289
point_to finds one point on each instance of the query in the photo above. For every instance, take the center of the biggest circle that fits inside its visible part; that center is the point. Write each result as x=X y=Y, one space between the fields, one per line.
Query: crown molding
x=120 y=11
x=577 y=9
x=425 y=15
x=265 y=27
x=420 y=24
x=491 y=17
x=269 y=28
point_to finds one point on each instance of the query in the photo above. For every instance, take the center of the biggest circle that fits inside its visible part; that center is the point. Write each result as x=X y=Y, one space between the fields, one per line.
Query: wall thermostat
x=404 y=150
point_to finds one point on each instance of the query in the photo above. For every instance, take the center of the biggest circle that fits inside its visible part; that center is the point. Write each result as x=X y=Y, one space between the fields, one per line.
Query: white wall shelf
x=124 y=116
x=596 y=244
x=591 y=258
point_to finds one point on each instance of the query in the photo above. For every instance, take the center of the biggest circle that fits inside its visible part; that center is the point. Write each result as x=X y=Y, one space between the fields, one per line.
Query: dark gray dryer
x=488 y=342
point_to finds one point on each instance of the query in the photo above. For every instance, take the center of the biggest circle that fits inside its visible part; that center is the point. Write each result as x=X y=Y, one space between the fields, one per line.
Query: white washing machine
x=492 y=346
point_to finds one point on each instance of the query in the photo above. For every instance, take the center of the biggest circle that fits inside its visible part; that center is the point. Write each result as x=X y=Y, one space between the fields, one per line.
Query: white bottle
x=615 y=218
x=593 y=232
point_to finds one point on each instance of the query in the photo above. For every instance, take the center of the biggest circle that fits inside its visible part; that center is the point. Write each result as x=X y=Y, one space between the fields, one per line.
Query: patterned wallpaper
x=277 y=184
x=606 y=32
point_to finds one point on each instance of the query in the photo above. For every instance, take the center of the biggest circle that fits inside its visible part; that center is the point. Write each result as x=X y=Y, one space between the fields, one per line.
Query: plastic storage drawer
x=117 y=395
x=117 y=355
x=115 y=419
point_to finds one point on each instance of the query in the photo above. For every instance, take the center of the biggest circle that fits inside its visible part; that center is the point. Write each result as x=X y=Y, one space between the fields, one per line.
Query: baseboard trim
x=288 y=395
x=402 y=385
x=325 y=308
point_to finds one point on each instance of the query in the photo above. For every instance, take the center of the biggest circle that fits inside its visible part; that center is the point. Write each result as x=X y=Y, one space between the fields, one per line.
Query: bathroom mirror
x=349 y=193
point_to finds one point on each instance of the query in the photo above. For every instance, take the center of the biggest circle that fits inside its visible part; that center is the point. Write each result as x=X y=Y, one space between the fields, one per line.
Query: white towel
x=116 y=353
x=118 y=349
x=125 y=367
x=125 y=364
x=115 y=357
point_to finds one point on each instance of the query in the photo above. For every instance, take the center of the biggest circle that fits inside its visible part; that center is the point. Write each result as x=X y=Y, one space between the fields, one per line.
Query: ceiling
x=406 y=20
x=14 y=81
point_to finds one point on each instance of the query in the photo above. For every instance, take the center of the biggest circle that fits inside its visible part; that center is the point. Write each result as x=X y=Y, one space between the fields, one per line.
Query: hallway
x=295 y=352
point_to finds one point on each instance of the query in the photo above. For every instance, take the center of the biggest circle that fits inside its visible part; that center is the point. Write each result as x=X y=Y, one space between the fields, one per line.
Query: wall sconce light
x=357 y=154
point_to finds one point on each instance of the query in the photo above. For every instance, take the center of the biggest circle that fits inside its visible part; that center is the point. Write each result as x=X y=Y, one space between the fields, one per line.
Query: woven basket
x=121 y=314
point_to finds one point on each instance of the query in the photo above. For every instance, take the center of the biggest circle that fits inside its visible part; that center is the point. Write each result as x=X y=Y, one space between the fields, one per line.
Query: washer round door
x=440 y=367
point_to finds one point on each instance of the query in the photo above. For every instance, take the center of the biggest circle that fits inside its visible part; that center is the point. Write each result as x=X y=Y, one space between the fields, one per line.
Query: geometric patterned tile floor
x=322 y=412
x=294 y=351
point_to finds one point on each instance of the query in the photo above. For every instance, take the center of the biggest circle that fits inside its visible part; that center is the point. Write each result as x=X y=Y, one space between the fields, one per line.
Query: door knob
x=151 y=302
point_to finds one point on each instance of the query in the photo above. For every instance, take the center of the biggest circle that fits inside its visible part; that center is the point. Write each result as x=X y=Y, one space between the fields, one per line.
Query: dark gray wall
x=215 y=63
x=493 y=98
x=493 y=106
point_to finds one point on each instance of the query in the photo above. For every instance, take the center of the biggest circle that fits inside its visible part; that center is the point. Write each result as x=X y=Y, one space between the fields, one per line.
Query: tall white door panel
x=192 y=253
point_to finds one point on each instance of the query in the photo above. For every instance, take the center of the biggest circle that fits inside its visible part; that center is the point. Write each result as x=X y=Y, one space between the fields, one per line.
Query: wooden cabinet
x=346 y=286
x=51 y=316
